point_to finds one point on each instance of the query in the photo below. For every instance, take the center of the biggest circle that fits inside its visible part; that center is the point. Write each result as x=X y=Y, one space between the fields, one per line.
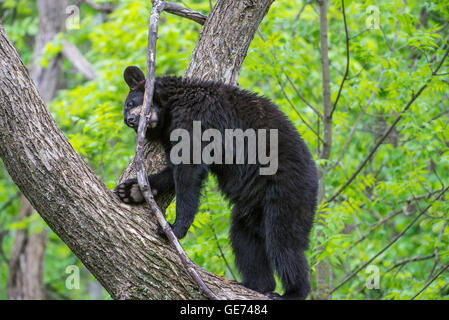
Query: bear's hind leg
x=250 y=252
x=286 y=243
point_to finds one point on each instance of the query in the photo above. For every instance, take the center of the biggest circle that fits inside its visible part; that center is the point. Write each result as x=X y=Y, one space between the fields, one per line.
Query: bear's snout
x=132 y=121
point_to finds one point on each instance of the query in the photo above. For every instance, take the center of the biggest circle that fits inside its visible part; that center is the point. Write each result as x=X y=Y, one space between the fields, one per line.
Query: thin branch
x=289 y=80
x=358 y=34
x=387 y=132
x=437 y=252
x=444 y=268
x=298 y=15
x=181 y=11
x=347 y=58
x=76 y=58
x=406 y=261
x=349 y=277
x=142 y=177
x=297 y=112
x=359 y=118
x=393 y=214
x=370 y=100
x=302 y=97
x=9 y=201
x=222 y=255
x=374 y=227
x=105 y=7
x=435 y=73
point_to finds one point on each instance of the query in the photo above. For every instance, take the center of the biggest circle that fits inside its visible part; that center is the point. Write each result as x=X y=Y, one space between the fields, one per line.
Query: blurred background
x=394 y=47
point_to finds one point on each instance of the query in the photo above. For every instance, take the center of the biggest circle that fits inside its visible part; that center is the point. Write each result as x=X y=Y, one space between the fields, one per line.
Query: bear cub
x=272 y=214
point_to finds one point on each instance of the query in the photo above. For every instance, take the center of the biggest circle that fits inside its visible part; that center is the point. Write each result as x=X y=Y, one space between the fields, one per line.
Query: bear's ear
x=133 y=76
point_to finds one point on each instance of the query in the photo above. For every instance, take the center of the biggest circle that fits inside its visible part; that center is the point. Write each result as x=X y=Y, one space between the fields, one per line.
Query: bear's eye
x=130 y=104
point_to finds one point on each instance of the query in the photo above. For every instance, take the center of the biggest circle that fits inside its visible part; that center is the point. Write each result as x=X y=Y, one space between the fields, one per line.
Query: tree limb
x=181 y=11
x=370 y=100
x=103 y=7
x=387 y=132
x=347 y=58
x=71 y=52
x=444 y=268
x=117 y=243
x=142 y=176
x=350 y=276
x=405 y=261
x=322 y=269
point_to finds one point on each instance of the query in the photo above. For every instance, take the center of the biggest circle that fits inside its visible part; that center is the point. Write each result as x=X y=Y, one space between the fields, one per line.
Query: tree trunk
x=323 y=272
x=26 y=261
x=117 y=243
x=225 y=40
x=27 y=258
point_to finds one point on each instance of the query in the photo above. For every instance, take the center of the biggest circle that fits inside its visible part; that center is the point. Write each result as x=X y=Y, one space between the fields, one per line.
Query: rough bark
x=117 y=243
x=225 y=39
x=26 y=261
x=25 y=279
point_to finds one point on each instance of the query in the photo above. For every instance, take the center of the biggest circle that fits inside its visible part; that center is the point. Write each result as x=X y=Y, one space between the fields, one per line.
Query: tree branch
x=323 y=275
x=117 y=243
x=291 y=82
x=71 y=52
x=105 y=7
x=297 y=112
x=350 y=276
x=444 y=268
x=181 y=11
x=142 y=176
x=347 y=58
x=405 y=261
x=370 y=100
x=385 y=135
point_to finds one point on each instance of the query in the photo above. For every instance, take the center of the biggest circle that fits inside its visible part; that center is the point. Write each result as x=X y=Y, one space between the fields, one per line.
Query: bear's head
x=135 y=79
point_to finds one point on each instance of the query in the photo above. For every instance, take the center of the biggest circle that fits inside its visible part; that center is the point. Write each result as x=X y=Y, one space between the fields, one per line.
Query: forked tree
x=119 y=244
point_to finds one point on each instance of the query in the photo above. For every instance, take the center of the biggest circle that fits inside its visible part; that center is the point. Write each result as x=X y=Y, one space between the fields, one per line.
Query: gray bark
x=323 y=272
x=25 y=279
x=117 y=243
x=51 y=22
x=225 y=40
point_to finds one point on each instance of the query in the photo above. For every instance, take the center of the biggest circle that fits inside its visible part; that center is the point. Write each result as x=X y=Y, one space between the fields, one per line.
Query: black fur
x=272 y=215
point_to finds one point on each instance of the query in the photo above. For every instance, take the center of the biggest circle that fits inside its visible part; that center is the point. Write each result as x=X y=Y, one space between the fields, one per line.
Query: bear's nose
x=132 y=120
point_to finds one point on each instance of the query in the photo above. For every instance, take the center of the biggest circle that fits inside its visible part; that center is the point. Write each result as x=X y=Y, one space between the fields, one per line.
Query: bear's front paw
x=129 y=192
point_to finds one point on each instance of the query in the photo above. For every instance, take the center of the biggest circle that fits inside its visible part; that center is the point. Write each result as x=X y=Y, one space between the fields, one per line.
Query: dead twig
x=142 y=177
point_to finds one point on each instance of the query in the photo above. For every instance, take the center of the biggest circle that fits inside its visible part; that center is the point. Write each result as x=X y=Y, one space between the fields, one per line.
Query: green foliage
x=405 y=174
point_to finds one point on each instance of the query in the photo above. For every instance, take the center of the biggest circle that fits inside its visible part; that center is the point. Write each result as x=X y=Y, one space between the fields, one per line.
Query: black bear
x=272 y=213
